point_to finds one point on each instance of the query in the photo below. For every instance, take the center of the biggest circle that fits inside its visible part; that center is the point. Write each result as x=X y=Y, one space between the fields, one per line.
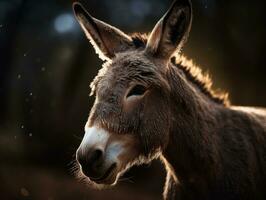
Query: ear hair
x=172 y=30
x=106 y=39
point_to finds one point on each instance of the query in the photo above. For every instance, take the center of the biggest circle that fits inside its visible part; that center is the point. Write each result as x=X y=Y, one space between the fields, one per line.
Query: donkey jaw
x=109 y=178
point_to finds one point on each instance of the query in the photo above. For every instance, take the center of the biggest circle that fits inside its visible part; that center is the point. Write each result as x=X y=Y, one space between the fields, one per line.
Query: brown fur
x=211 y=150
x=192 y=72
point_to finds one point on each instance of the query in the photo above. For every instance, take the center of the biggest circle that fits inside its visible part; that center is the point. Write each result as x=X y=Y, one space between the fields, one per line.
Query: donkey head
x=130 y=120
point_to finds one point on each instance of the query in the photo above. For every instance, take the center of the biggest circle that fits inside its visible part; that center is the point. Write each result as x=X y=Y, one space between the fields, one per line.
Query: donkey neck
x=191 y=153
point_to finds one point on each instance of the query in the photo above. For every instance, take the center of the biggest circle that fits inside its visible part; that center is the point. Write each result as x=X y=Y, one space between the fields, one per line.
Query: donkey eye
x=137 y=90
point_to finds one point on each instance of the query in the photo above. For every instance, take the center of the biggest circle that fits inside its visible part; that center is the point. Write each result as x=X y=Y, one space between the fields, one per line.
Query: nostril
x=91 y=161
x=96 y=155
x=91 y=158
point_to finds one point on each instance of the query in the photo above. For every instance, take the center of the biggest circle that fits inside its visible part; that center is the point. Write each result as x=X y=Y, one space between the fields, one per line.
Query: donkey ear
x=171 y=32
x=106 y=39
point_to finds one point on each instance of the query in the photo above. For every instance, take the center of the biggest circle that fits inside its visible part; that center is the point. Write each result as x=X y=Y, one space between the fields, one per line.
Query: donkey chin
x=103 y=157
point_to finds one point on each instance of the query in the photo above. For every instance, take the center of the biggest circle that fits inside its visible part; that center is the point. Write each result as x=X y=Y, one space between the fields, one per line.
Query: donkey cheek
x=130 y=154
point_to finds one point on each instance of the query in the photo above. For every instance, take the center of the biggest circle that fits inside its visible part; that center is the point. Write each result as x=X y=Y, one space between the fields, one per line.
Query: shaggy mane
x=192 y=72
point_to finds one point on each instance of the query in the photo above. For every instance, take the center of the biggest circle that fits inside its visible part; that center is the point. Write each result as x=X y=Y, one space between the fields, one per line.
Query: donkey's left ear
x=171 y=32
x=106 y=39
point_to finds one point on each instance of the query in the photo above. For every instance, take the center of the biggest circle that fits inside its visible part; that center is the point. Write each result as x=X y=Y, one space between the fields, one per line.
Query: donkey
x=152 y=103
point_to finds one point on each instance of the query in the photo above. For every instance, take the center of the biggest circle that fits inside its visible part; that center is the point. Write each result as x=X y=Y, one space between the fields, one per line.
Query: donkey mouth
x=107 y=177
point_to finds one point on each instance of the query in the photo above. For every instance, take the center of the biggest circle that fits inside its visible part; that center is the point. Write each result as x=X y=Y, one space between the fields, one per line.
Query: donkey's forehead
x=136 y=60
x=126 y=67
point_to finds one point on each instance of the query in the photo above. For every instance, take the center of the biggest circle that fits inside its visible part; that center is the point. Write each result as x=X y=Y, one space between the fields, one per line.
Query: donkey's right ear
x=171 y=32
x=106 y=39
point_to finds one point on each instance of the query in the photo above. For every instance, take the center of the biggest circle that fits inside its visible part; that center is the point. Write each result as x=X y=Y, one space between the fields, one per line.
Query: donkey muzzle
x=98 y=156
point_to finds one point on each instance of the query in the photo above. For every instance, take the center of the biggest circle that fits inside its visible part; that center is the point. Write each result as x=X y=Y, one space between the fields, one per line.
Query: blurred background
x=46 y=65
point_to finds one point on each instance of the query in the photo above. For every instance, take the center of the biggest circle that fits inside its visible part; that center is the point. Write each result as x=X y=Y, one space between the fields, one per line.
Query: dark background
x=46 y=65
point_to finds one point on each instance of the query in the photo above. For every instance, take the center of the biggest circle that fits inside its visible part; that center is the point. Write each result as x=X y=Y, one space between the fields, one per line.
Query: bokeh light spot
x=140 y=8
x=64 y=23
